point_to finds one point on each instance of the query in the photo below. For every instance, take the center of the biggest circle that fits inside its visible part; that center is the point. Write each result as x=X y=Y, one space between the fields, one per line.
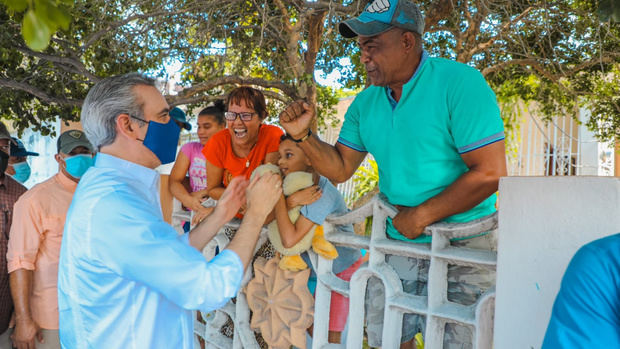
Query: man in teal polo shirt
x=434 y=127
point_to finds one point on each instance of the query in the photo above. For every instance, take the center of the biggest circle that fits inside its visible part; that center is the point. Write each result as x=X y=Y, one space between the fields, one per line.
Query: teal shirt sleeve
x=350 y=130
x=149 y=251
x=586 y=312
x=474 y=114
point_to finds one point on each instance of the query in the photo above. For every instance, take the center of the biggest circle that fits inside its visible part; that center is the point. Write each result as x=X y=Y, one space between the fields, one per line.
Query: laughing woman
x=244 y=145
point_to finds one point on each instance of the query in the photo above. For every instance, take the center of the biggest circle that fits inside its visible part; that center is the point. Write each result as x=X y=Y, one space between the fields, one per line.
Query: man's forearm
x=464 y=194
x=244 y=242
x=205 y=231
x=21 y=287
x=325 y=159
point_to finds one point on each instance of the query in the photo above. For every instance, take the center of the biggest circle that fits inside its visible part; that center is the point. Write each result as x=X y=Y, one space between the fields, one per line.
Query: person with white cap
x=434 y=127
x=34 y=244
x=10 y=191
x=18 y=167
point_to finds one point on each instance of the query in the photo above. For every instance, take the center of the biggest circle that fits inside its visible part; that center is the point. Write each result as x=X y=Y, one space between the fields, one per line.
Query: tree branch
x=440 y=10
x=43 y=96
x=335 y=7
x=500 y=66
x=481 y=47
x=62 y=61
x=195 y=99
x=288 y=90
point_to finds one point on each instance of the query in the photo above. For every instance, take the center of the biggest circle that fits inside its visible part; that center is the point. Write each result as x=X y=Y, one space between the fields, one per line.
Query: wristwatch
x=304 y=137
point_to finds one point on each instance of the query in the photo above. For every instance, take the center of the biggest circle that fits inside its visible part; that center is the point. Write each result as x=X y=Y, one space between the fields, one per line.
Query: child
x=292 y=159
x=191 y=161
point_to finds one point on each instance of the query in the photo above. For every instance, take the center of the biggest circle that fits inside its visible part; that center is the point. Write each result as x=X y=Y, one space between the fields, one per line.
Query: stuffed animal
x=291 y=259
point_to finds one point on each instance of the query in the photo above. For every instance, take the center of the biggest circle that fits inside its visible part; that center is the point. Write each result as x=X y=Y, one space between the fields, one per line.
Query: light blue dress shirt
x=126 y=279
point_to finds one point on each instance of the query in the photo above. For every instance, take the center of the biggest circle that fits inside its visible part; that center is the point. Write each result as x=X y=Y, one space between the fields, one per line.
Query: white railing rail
x=435 y=307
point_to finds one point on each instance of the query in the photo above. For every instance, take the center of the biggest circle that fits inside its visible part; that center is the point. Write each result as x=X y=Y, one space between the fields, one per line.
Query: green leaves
x=609 y=10
x=35 y=32
x=41 y=20
x=16 y=5
x=365 y=179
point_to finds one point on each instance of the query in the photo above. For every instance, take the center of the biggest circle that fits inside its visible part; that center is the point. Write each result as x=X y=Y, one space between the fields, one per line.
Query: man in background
x=10 y=191
x=18 y=167
x=34 y=245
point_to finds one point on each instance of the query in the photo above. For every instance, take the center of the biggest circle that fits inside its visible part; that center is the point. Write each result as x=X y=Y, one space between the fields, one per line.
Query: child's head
x=292 y=157
x=210 y=121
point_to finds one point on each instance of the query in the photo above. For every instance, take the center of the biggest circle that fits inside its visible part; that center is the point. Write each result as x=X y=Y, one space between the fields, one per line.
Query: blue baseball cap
x=382 y=15
x=179 y=115
x=18 y=149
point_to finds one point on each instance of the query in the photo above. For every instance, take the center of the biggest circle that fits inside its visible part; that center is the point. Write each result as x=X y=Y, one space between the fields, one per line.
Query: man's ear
x=124 y=126
x=408 y=41
x=58 y=158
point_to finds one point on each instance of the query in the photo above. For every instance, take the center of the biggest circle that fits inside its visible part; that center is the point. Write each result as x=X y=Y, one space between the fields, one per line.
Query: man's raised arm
x=338 y=163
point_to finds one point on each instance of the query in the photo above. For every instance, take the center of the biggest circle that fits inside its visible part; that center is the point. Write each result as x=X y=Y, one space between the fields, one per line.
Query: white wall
x=542 y=223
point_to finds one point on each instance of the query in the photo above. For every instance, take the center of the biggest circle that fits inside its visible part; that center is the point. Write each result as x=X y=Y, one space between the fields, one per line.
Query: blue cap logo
x=378 y=10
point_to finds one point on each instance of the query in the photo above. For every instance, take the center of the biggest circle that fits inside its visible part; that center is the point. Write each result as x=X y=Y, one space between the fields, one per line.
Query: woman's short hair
x=252 y=97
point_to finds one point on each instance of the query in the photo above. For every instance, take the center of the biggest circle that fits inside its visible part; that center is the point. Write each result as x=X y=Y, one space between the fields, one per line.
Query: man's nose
x=365 y=57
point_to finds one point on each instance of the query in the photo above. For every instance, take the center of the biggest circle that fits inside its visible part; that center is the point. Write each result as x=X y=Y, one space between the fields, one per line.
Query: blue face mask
x=162 y=139
x=77 y=165
x=22 y=172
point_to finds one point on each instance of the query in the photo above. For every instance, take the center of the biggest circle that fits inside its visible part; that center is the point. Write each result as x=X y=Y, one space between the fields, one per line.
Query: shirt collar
x=135 y=172
x=388 y=90
x=66 y=182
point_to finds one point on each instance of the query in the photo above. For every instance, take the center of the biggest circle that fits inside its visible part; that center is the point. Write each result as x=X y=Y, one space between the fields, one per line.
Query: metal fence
x=559 y=146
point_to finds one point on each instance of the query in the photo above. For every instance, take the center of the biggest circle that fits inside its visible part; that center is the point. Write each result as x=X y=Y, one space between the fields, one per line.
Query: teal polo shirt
x=446 y=109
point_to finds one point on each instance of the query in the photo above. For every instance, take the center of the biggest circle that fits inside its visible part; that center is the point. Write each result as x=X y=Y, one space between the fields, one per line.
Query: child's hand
x=201 y=195
x=193 y=203
x=304 y=197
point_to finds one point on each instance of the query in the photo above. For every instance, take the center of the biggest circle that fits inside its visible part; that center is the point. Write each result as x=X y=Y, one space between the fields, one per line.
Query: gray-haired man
x=126 y=279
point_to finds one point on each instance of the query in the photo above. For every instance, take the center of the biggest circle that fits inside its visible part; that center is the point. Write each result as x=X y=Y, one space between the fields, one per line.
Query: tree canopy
x=560 y=54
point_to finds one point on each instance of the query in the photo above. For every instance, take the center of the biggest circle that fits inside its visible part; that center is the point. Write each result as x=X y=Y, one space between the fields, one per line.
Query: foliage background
x=554 y=56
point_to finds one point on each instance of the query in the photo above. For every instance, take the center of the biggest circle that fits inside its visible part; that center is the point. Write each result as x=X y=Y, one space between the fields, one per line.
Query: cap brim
x=354 y=27
x=24 y=153
x=187 y=126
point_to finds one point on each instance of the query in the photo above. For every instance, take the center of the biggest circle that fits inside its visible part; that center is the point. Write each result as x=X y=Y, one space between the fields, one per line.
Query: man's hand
x=296 y=118
x=25 y=332
x=263 y=193
x=231 y=200
x=410 y=221
x=201 y=214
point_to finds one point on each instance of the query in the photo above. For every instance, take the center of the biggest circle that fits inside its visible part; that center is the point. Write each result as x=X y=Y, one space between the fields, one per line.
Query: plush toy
x=291 y=259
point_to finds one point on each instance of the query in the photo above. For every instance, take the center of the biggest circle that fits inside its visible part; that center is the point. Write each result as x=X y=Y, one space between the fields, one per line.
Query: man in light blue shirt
x=126 y=279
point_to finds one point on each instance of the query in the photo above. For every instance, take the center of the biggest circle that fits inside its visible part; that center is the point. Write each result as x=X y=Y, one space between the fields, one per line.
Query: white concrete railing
x=436 y=308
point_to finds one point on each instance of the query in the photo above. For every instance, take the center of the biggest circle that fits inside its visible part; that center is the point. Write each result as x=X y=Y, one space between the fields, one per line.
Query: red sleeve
x=272 y=138
x=214 y=150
